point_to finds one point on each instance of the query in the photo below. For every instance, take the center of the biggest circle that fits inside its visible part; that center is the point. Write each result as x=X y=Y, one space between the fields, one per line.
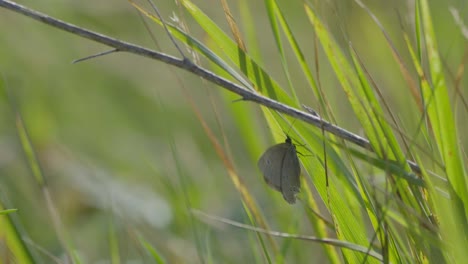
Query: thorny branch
x=186 y=64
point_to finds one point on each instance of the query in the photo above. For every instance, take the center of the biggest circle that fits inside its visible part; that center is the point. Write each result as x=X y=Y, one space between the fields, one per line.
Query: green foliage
x=110 y=156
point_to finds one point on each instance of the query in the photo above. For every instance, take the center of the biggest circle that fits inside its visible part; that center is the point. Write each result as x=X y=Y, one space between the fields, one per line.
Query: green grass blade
x=14 y=243
x=295 y=47
x=368 y=110
x=271 y=8
x=454 y=212
x=388 y=166
x=29 y=151
x=8 y=211
x=254 y=72
x=197 y=46
x=341 y=196
x=151 y=250
x=440 y=112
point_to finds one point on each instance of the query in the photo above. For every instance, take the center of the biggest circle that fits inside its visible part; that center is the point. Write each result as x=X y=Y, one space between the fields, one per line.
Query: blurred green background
x=118 y=142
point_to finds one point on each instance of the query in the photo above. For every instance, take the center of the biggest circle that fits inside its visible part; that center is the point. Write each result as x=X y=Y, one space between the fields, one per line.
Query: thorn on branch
x=95 y=55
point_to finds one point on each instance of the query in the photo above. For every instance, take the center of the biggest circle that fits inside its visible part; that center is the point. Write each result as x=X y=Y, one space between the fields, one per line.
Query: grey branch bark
x=191 y=67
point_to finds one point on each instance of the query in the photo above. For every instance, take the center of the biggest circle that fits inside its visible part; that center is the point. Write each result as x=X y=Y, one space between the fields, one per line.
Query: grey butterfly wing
x=271 y=165
x=290 y=175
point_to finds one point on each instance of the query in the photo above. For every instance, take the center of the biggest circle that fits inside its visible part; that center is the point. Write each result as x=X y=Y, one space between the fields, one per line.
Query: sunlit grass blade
x=157 y=258
x=254 y=72
x=367 y=109
x=271 y=8
x=7 y=211
x=341 y=196
x=13 y=241
x=440 y=112
x=454 y=212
